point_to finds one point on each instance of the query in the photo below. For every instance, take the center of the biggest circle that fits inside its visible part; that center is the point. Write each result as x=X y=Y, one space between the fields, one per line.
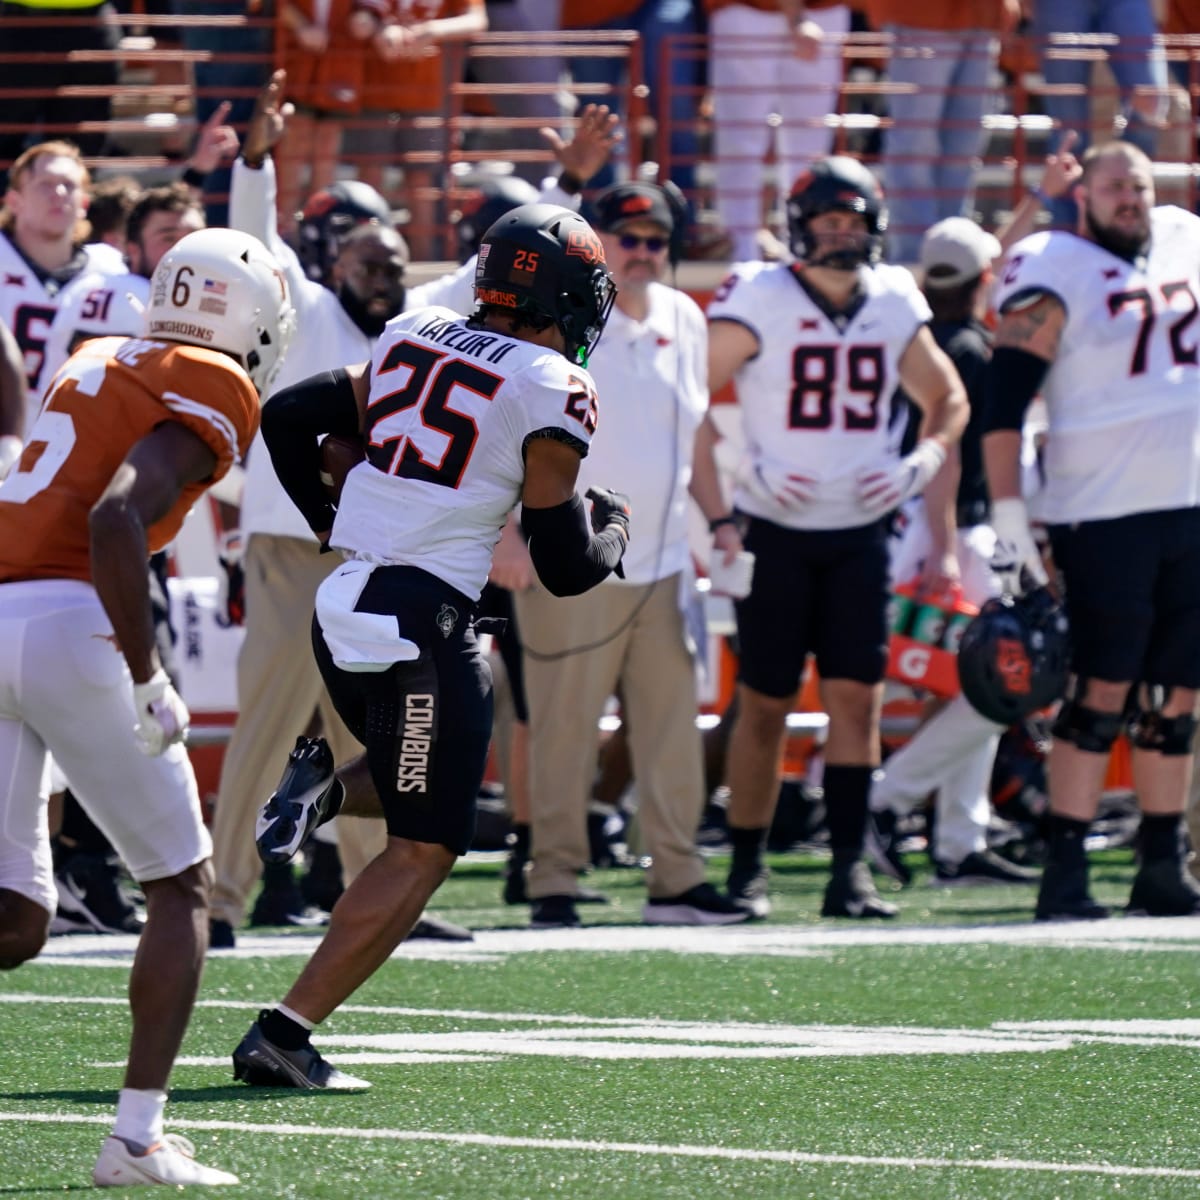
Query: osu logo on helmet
x=1014 y=666
x=583 y=243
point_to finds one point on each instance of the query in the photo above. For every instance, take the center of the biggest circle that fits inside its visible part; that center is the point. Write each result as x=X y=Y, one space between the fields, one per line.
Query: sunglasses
x=631 y=241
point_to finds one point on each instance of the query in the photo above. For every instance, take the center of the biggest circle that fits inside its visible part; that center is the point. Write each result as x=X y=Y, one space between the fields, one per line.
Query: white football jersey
x=95 y=304
x=1123 y=394
x=817 y=400
x=28 y=304
x=449 y=415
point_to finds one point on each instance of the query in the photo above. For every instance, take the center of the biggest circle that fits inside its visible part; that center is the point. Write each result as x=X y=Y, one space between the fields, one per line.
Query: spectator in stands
x=536 y=75
x=1127 y=31
x=769 y=56
x=942 y=58
x=953 y=751
x=236 y=62
x=404 y=105
x=650 y=364
x=817 y=349
x=675 y=83
x=325 y=58
x=50 y=58
x=43 y=246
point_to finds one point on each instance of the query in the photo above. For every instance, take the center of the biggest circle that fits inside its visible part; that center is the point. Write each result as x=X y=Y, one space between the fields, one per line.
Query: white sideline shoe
x=169 y=1162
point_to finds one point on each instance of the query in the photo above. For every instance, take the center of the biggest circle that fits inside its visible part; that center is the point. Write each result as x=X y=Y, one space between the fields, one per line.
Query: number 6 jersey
x=450 y=412
x=1123 y=394
x=817 y=400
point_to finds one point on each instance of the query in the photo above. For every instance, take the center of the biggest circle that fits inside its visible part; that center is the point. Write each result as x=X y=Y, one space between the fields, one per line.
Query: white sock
x=292 y=1015
x=140 y=1116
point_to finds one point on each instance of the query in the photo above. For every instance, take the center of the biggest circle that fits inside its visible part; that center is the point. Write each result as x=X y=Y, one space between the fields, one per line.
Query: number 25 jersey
x=818 y=398
x=1123 y=393
x=449 y=415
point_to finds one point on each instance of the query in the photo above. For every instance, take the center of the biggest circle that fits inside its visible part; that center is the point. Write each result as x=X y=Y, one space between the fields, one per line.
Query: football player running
x=817 y=348
x=462 y=417
x=131 y=435
x=1102 y=323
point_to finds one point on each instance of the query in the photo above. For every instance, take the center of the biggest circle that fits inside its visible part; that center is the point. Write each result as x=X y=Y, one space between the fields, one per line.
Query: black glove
x=610 y=508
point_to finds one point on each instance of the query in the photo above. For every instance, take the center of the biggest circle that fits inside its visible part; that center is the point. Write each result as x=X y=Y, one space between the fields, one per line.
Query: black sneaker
x=263 y=1064
x=1064 y=895
x=308 y=795
x=883 y=847
x=1164 y=888
x=747 y=888
x=221 y=935
x=437 y=929
x=91 y=899
x=851 y=893
x=553 y=912
x=700 y=905
x=982 y=867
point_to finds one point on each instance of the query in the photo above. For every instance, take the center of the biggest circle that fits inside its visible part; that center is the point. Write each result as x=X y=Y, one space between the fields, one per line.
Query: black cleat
x=851 y=893
x=1064 y=895
x=91 y=898
x=439 y=930
x=1164 y=888
x=883 y=847
x=747 y=888
x=553 y=912
x=308 y=795
x=982 y=867
x=263 y=1064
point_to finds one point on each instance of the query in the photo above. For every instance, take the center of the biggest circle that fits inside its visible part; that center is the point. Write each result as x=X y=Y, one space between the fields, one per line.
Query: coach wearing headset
x=628 y=635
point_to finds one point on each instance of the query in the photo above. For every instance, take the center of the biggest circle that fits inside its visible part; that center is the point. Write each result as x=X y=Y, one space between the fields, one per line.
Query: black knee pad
x=1087 y=728
x=1172 y=736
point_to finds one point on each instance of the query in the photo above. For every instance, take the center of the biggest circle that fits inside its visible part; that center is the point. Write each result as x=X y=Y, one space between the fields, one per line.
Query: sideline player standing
x=818 y=348
x=1102 y=322
x=133 y=432
x=462 y=418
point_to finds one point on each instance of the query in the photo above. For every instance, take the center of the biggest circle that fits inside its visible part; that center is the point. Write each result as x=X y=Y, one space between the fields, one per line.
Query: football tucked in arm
x=338 y=454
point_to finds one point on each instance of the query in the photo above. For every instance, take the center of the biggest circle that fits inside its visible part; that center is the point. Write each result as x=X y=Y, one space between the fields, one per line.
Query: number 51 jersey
x=1123 y=393
x=450 y=413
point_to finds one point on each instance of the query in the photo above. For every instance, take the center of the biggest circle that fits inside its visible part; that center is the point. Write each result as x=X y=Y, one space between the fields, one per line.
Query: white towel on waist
x=359 y=641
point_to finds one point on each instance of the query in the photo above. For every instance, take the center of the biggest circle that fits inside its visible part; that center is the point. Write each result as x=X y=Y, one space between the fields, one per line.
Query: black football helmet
x=546 y=262
x=836 y=184
x=1014 y=657
x=328 y=215
x=488 y=199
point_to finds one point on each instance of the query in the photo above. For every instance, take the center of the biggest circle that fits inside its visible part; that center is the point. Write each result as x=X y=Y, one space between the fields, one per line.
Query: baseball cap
x=956 y=250
x=632 y=202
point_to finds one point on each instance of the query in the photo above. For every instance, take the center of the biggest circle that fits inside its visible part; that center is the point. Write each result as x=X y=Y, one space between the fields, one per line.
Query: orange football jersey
x=110 y=394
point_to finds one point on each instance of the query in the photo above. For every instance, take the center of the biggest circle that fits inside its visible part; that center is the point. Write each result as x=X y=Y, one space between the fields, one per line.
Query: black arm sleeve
x=1013 y=378
x=567 y=556
x=293 y=421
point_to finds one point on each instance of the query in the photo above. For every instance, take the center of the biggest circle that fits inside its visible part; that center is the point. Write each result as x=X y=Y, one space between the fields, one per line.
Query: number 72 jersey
x=1123 y=393
x=450 y=412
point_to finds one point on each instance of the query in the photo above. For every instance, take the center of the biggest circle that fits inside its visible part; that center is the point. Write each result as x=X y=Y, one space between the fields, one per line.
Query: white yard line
x=643 y=1149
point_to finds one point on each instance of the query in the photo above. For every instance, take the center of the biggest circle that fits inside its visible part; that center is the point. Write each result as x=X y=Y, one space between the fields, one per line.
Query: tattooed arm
x=1027 y=342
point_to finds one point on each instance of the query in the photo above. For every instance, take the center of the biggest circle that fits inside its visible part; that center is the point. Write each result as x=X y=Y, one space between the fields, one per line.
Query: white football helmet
x=223 y=289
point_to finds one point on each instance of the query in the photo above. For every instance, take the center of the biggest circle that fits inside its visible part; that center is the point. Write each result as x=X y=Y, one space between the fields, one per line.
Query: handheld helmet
x=328 y=215
x=224 y=290
x=836 y=184
x=1014 y=657
x=487 y=201
x=546 y=262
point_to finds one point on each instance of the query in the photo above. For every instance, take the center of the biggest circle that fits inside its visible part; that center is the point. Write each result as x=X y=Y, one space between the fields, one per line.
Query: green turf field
x=959 y=1052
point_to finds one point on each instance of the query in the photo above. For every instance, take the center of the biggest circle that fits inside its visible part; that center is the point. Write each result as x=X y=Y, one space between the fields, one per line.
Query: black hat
x=633 y=202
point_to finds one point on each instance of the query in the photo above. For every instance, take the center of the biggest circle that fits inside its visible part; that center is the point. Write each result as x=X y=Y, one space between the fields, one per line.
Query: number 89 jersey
x=450 y=412
x=1123 y=393
x=817 y=400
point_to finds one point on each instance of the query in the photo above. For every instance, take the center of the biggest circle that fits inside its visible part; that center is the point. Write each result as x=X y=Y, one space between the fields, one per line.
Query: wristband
x=1043 y=198
x=570 y=183
x=717 y=522
x=194 y=178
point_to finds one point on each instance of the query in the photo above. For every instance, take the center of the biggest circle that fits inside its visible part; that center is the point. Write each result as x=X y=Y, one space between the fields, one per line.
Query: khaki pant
x=279 y=687
x=642 y=648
